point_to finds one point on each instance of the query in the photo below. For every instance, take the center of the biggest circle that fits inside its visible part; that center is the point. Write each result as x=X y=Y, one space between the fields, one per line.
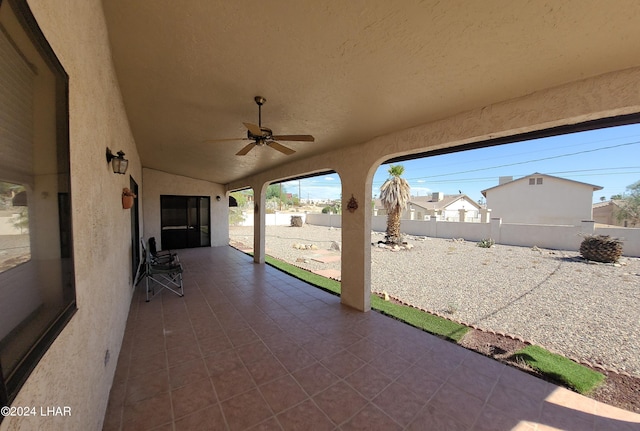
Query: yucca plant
x=601 y=248
x=395 y=194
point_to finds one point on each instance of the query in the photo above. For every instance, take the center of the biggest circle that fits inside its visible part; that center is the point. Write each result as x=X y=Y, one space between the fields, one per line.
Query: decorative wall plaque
x=353 y=204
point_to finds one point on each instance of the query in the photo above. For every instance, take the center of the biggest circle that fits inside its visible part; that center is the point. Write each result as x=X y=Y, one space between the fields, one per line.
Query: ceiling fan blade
x=281 y=148
x=208 y=141
x=254 y=129
x=246 y=149
x=304 y=138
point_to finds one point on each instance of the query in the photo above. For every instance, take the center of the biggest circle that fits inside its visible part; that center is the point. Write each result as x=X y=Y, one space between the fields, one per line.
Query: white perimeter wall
x=557 y=237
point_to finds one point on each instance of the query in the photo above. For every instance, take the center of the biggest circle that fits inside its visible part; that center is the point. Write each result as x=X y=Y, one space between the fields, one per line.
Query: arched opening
x=492 y=238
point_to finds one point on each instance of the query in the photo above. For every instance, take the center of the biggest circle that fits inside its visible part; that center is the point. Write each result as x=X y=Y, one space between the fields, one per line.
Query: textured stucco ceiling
x=343 y=71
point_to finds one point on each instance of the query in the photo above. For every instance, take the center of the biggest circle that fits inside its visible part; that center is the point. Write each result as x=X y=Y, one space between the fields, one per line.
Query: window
x=37 y=292
x=534 y=181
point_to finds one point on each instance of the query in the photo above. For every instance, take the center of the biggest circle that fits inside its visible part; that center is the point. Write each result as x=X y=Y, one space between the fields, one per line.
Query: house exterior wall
x=78 y=368
x=608 y=214
x=604 y=214
x=158 y=183
x=450 y=213
x=554 y=202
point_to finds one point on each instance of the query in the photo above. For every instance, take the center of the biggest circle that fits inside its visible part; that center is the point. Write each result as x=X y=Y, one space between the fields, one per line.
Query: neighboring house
x=442 y=207
x=607 y=213
x=541 y=199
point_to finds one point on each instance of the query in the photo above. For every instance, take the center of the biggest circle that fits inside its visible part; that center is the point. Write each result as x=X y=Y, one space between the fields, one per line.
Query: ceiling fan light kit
x=263 y=136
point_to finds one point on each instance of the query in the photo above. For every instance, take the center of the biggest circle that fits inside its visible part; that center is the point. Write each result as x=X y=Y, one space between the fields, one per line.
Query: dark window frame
x=11 y=385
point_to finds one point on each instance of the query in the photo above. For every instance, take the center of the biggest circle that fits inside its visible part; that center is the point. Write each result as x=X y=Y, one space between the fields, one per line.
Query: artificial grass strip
x=561 y=369
x=420 y=319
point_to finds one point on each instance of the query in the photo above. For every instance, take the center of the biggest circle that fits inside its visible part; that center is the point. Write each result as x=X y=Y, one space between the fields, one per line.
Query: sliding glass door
x=185 y=221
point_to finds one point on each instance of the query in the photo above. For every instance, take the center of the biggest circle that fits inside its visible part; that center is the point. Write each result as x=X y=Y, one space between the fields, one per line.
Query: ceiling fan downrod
x=260 y=101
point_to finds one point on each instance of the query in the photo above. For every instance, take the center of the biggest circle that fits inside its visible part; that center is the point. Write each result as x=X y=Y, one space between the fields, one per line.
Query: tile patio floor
x=249 y=347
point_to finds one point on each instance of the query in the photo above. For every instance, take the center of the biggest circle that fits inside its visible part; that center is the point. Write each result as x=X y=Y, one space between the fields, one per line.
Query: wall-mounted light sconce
x=218 y=198
x=118 y=163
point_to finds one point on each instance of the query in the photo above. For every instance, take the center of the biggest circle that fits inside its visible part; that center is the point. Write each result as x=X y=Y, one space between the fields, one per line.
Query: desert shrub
x=486 y=243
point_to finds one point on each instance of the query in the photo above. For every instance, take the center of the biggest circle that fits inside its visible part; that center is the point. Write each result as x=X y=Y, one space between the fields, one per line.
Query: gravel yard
x=553 y=298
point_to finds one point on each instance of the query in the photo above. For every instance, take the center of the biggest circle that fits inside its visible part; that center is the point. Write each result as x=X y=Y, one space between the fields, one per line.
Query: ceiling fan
x=262 y=136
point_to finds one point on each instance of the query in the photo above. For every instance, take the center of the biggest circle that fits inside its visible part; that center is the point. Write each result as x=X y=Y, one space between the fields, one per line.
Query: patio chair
x=166 y=273
x=162 y=256
x=142 y=265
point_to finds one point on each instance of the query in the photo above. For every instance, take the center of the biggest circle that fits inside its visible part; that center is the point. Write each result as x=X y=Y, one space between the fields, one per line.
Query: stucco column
x=259 y=196
x=356 y=241
x=485 y=215
x=496 y=225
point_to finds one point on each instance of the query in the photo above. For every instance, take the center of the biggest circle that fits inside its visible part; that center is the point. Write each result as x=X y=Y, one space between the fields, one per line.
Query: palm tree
x=394 y=194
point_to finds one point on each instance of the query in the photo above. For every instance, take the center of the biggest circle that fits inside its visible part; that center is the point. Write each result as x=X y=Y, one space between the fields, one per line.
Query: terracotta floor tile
x=249 y=347
x=147 y=364
x=339 y=402
x=302 y=415
x=294 y=358
x=473 y=383
x=390 y=364
x=322 y=347
x=493 y=419
x=399 y=403
x=368 y=381
x=147 y=414
x=342 y=363
x=282 y=393
x=187 y=372
x=183 y=354
x=315 y=378
x=245 y=410
x=270 y=424
x=254 y=352
x=514 y=403
x=565 y=418
x=432 y=418
x=423 y=384
x=192 y=397
x=146 y=386
x=266 y=370
x=208 y=419
x=371 y=418
x=450 y=400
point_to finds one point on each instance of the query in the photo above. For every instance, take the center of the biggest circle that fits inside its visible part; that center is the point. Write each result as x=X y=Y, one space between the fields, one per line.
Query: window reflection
x=15 y=246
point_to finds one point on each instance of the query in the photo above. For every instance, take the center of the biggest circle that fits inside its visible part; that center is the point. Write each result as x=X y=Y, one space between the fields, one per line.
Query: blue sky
x=609 y=158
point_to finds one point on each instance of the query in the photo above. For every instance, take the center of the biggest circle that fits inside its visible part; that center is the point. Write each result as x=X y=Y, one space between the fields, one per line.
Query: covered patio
x=249 y=347
x=171 y=85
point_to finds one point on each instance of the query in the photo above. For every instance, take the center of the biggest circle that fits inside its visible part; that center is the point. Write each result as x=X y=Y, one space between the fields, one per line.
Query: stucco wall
x=554 y=202
x=74 y=371
x=158 y=183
